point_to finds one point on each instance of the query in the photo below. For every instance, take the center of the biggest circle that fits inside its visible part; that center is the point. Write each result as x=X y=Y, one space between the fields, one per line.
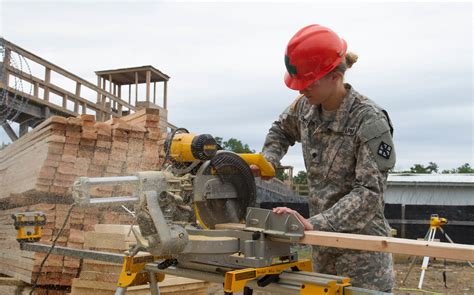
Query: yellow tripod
x=436 y=223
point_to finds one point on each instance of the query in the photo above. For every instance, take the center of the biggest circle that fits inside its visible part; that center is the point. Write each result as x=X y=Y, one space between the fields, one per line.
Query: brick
x=118 y=155
x=153 y=135
x=74 y=121
x=87 y=117
x=73 y=140
x=47 y=173
x=55 y=148
x=70 y=150
x=68 y=158
x=56 y=138
x=151 y=124
x=121 y=125
x=119 y=145
x=82 y=165
x=50 y=163
x=104 y=144
x=85 y=152
x=67 y=168
x=44 y=182
x=87 y=142
x=42 y=188
x=115 y=163
x=58 y=190
x=136 y=134
x=119 y=133
x=76 y=236
x=66 y=177
x=53 y=157
x=70 y=132
x=114 y=170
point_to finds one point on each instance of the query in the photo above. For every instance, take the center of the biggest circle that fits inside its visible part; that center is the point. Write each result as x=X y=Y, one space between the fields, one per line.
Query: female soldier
x=347 y=149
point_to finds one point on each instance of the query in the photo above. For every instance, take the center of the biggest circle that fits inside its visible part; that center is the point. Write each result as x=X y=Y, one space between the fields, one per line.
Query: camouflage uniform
x=347 y=160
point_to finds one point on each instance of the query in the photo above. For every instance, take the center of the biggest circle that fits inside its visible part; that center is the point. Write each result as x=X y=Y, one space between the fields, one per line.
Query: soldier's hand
x=256 y=172
x=304 y=221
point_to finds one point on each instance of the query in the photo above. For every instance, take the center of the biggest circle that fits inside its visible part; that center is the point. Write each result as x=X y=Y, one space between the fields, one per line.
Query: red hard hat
x=313 y=52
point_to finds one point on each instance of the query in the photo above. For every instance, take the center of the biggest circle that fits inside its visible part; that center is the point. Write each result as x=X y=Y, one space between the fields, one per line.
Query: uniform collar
x=342 y=113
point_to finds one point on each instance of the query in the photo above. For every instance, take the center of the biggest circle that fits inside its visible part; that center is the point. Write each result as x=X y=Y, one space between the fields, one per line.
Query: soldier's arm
x=283 y=133
x=375 y=156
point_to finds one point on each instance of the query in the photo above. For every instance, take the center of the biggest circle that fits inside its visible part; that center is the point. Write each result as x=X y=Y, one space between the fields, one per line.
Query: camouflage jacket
x=347 y=161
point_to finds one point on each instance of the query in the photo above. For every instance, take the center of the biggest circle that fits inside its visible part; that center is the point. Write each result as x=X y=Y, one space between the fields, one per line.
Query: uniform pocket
x=340 y=158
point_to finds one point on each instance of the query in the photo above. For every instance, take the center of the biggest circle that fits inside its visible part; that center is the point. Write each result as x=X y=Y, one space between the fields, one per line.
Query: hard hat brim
x=295 y=83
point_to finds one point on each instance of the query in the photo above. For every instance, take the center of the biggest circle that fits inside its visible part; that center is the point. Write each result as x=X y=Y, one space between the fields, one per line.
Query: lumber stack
x=45 y=162
x=101 y=277
x=38 y=170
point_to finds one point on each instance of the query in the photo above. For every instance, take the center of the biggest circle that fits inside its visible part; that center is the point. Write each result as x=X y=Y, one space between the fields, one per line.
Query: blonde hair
x=347 y=62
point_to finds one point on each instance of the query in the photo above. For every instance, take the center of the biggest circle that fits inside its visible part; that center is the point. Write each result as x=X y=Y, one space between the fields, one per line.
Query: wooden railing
x=302 y=189
x=106 y=106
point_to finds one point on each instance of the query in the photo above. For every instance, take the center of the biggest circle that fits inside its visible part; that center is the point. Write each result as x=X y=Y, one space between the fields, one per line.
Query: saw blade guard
x=223 y=189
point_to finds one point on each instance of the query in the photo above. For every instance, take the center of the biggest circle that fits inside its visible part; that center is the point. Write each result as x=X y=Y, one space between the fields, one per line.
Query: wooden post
x=23 y=128
x=129 y=93
x=65 y=101
x=119 y=91
x=84 y=108
x=98 y=114
x=136 y=88
x=154 y=92
x=47 y=112
x=6 y=64
x=36 y=89
x=148 y=78
x=107 y=105
x=104 y=88
x=165 y=95
x=119 y=110
x=76 y=106
x=47 y=80
x=78 y=89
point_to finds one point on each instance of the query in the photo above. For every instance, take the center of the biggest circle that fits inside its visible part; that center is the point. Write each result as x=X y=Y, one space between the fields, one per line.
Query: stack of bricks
x=48 y=160
x=99 y=277
x=38 y=170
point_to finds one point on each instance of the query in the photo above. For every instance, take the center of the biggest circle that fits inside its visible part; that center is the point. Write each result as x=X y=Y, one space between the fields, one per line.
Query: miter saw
x=195 y=219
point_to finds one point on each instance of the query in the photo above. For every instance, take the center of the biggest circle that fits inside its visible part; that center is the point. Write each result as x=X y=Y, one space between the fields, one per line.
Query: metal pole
x=154 y=288
x=426 y=259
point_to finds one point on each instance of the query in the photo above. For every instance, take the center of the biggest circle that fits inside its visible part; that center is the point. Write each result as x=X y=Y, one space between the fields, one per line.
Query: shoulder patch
x=378 y=137
x=373 y=129
x=295 y=103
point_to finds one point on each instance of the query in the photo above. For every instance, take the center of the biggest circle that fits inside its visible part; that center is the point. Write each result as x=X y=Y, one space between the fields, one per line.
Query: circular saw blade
x=230 y=169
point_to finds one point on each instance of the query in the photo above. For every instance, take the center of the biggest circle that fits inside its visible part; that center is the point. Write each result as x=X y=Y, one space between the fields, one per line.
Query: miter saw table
x=257 y=257
x=178 y=210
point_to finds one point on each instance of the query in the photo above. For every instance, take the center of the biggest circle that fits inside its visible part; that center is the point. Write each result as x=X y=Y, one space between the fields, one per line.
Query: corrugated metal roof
x=431 y=179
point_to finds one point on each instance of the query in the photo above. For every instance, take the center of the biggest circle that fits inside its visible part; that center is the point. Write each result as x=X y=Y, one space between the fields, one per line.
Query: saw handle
x=266 y=169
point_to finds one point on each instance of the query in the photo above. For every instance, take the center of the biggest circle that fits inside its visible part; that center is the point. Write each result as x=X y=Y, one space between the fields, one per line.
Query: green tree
x=465 y=168
x=419 y=168
x=280 y=174
x=234 y=145
x=301 y=178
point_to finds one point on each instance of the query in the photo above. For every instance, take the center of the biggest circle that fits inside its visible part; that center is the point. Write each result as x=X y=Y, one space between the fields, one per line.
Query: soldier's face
x=320 y=91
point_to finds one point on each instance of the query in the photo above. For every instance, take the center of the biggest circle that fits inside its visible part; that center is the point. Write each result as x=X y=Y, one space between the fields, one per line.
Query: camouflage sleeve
x=375 y=156
x=283 y=133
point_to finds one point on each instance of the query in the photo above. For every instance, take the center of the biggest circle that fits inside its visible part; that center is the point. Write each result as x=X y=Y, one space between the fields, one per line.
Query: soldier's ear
x=336 y=75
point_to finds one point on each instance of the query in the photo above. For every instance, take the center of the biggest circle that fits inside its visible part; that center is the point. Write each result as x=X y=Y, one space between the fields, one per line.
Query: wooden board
x=379 y=244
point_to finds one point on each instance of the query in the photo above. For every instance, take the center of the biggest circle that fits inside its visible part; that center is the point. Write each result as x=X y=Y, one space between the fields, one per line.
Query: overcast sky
x=226 y=64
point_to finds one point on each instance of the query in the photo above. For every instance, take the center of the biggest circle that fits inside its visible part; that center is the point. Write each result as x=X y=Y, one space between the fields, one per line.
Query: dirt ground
x=459 y=279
